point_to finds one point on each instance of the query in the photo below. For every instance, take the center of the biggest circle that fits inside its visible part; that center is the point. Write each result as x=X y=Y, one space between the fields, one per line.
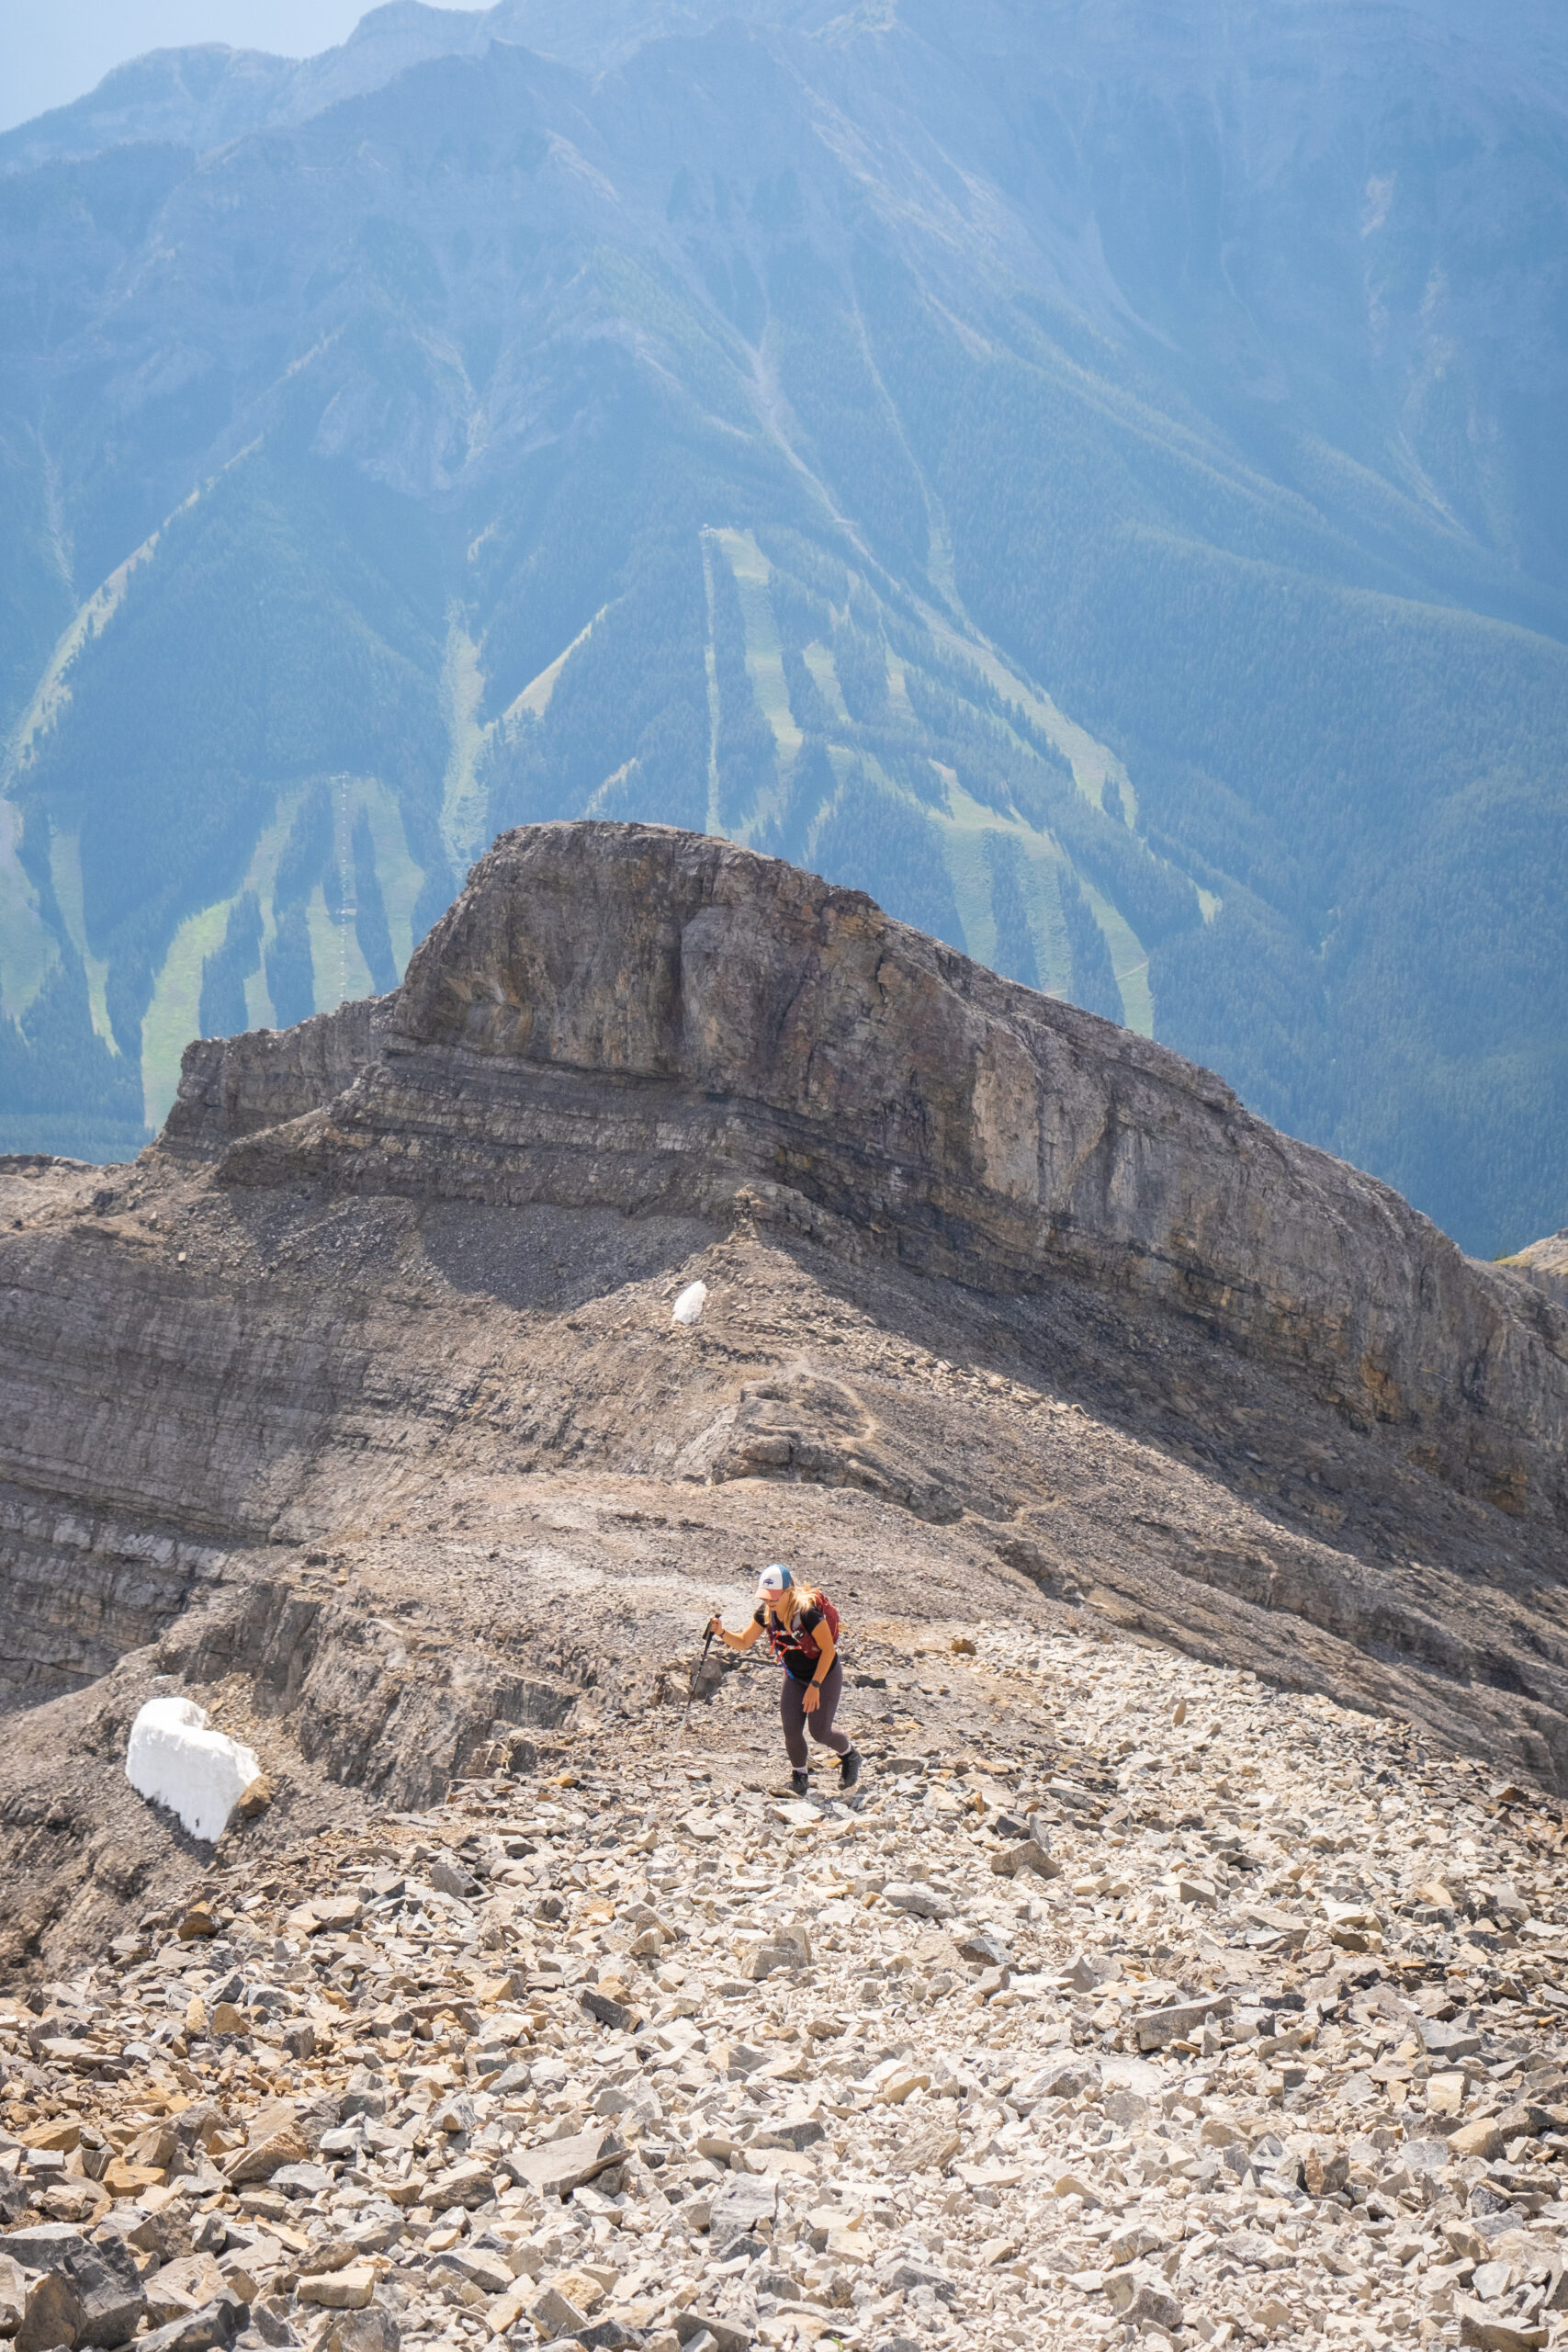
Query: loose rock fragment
x=52 y=2315
x=13 y=2295
x=920 y=1901
x=107 y=2286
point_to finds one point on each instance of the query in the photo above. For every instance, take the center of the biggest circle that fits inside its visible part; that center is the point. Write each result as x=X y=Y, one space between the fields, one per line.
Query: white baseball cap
x=775 y=1578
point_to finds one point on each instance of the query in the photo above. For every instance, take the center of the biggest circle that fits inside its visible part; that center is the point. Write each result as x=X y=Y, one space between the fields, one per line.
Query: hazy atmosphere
x=1091 y=475
x=54 y=50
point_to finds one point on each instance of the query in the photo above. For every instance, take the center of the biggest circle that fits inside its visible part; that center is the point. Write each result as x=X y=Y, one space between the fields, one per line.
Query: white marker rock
x=199 y=1774
x=691 y=1302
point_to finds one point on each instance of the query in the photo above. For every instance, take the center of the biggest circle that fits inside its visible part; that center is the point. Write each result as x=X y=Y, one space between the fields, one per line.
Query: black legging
x=797 y=1722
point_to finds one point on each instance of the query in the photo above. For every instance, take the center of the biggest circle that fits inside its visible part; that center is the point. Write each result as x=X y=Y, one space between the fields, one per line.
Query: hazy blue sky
x=54 y=50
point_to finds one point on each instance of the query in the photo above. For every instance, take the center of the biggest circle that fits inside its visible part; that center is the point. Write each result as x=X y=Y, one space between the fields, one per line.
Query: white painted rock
x=199 y=1774
x=691 y=1302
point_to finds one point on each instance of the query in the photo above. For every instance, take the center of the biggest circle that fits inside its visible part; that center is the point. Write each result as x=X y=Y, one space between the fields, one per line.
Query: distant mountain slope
x=1089 y=475
x=204 y=96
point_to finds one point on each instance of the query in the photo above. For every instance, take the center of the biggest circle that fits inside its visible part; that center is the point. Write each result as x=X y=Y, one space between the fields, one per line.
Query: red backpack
x=807 y=1642
x=820 y=1601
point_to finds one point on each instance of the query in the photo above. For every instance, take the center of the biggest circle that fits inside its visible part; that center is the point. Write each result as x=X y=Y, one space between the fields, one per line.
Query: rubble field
x=1126 y=1998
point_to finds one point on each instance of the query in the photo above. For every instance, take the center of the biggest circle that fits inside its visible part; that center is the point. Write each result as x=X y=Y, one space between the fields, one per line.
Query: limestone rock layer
x=625 y=1015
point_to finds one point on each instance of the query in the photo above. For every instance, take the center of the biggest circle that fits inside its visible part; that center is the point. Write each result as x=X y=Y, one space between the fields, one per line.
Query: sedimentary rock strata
x=358 y=1400
x=629 y=1016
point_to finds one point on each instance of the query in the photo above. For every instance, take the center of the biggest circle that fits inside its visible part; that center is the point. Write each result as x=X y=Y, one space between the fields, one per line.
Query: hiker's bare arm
x=742 y=1641
x=822 y=1669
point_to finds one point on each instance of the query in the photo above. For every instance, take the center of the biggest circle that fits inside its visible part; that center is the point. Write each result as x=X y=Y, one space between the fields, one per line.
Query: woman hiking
x=800 y=1626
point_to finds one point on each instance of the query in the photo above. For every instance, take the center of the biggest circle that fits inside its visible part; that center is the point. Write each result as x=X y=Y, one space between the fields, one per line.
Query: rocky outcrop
x=1545 y=1263
x=81 y=1590
x=236 y=1086
x=626 y=1016
x=355 y=1405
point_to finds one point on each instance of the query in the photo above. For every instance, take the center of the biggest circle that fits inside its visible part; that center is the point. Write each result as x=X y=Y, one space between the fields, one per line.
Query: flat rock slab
x=561 y=2165
x=1154 y=2027
x=349 y=2289
x=264 y=2157
x=918 y=1900
x=44 y=2245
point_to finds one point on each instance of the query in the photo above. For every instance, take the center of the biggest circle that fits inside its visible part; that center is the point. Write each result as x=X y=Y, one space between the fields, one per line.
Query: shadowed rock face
x=358 y=1394
x=631 y=1016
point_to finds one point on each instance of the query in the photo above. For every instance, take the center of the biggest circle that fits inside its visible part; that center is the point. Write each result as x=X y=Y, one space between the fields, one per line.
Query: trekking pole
x=696 y=1677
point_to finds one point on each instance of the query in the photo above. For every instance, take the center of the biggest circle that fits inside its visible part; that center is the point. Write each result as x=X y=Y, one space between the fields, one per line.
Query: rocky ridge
x=629 y=1016
x=1127 y=1998
x=355 y=1405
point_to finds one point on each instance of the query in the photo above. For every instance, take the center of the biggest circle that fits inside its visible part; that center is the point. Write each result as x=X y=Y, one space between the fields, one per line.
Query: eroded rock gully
x=356 y=1401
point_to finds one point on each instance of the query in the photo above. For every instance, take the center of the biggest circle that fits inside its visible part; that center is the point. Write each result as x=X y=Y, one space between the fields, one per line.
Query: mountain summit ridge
x=249 y=89
x=596 y=985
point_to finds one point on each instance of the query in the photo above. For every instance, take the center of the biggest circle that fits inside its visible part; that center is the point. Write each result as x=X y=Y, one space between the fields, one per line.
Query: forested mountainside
x=1089 y=474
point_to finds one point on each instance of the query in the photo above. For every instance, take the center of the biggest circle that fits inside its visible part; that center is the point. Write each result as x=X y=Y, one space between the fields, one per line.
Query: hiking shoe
x=848 y=1771
x=801 y=1783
